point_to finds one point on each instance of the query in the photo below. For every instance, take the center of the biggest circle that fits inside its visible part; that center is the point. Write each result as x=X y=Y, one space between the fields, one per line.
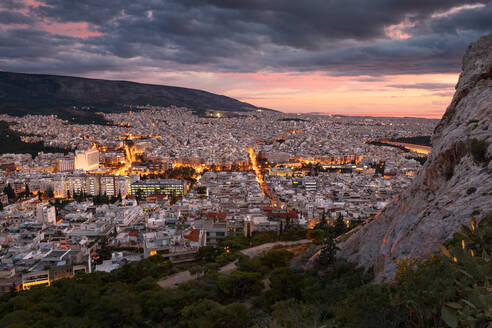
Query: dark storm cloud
x=339 y=38
x=12 y=17
x=299 y=24
x=478 y=19
x=18 y=44
x=12 y=4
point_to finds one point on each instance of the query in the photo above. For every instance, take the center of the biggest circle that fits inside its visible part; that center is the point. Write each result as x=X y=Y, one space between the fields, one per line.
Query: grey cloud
x=12 y=4
x=423 y=86
x=475 y=19
x=299 y=24
x=254 y=35
x=27 y=44
x=13 y=17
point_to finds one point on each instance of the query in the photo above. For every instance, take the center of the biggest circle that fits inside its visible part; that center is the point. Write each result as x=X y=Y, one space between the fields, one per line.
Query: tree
x=196 y=270
x=234 y=242
x=27 y=192
x=284 y=284
x=316 y=235
x=328 y=253
x=139 y=194
x=104 y=199
x=322 y=225
x=210 y=314
x=239 y=285
x=276 y=258
x=294 y=233
x=340 y=226
x=354 y=223
x=198 y=315
x=49 y=192
x=207 y=254
x=77 y=196
x=10 y=192
x=294 y=314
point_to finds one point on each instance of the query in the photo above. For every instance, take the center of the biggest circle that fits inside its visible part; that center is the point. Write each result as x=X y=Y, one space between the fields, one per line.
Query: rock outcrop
x=454 y=185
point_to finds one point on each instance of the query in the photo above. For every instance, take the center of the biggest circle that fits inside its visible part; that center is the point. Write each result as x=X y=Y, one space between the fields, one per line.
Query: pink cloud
x=398 y=31
x=75 y=29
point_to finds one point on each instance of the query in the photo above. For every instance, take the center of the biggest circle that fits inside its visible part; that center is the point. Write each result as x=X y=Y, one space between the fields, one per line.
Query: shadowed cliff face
x=454 y=185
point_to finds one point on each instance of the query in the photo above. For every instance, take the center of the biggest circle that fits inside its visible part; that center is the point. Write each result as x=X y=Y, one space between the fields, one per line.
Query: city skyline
x=399 y=60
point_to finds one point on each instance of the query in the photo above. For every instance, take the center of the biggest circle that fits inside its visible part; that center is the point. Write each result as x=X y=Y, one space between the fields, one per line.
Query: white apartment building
x=46 y=214
x=87 y=160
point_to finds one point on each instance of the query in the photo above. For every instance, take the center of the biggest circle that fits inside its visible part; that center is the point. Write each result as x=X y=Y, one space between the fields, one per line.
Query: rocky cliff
x=454 y=185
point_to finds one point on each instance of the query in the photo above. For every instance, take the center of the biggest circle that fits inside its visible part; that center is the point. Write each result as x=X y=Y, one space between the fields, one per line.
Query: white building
x=87 y=160
x=108 y=186
x=65 y=164
x=46 y=214
x=60 y=188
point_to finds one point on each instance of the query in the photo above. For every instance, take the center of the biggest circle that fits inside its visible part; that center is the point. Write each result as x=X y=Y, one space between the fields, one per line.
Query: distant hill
x=75 y=98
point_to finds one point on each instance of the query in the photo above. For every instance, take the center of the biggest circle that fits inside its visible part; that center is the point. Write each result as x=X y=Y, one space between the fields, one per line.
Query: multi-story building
x=309 y=184
x=107 y=185
x=168 y=187
x=46 y=214
x=122 y=185
x=39 y=278
x=60 y=188
x=65 y=164
x=76 y=185
x=92 y=182
x=215 y=231
x=87 y=160
x=281 y=171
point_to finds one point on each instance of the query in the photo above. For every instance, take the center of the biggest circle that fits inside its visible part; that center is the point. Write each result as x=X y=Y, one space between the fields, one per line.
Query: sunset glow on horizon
x=360 y=59
x=424 y=95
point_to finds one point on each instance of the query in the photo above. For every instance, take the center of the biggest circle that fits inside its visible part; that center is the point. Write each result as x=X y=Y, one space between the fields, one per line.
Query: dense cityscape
x=245 y=164
x=167 y=181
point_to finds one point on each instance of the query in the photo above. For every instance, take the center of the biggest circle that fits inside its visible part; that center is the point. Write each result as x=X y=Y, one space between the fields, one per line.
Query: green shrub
x=276 y=258
x=479 y=151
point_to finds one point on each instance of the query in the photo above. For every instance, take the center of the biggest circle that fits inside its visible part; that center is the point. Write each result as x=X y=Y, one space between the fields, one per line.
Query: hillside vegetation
x=449 y=290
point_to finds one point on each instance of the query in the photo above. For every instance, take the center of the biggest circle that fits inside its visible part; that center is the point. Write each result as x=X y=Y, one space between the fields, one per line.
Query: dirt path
x=258 y=250
x=184 y=276
x=177 y=278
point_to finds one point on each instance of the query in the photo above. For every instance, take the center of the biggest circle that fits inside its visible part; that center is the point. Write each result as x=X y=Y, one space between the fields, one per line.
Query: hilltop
x=67 y=96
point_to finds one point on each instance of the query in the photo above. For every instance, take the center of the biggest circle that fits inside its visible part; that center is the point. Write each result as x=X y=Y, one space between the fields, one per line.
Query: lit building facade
x=107 y=186
x=87 y=160
x=158 y=187
x=65 y=164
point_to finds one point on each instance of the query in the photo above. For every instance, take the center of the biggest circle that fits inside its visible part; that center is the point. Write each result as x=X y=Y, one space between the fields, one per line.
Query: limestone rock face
x=449 y=190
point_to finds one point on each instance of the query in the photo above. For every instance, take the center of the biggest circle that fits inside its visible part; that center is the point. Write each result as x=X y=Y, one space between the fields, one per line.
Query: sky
x=351 y=57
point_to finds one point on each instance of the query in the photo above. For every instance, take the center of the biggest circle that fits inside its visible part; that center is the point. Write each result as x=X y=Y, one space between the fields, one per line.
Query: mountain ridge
x=66 y=96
